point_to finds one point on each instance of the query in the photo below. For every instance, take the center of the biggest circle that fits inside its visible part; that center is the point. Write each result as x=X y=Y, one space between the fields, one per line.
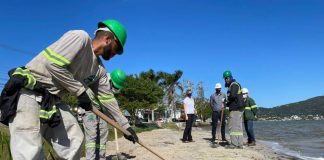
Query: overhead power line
x=22 y=51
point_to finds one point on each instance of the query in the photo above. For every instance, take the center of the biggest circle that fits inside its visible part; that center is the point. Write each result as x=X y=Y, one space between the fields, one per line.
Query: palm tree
x=170 y=82
x=150 y=74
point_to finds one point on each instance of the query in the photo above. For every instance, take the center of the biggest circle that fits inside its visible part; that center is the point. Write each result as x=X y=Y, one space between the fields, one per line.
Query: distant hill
x=313 y=107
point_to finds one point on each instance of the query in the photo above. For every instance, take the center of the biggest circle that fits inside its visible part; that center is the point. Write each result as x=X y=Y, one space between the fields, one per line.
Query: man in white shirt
x=189 y=109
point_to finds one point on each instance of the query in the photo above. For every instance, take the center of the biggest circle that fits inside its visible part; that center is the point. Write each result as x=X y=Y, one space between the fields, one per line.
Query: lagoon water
x=301 y=139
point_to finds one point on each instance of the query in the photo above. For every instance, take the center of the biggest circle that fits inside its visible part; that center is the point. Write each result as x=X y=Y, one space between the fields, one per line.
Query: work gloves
x=133 y=137
x=84 y=101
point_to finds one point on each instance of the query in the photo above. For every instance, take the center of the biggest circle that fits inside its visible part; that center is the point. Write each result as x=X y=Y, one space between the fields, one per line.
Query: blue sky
x=273 y=47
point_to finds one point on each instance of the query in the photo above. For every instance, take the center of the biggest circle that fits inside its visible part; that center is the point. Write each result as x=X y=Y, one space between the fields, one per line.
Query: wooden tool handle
x=117 y=126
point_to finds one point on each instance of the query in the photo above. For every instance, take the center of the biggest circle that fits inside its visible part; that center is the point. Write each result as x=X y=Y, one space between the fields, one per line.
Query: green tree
x=170 y=82
x=141 y=93
x=202 y=104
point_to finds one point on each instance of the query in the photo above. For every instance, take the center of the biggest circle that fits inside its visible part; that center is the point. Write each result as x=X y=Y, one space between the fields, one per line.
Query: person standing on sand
x=189 y=109
x=250 y=111
x=234 y=102
x=217 y=100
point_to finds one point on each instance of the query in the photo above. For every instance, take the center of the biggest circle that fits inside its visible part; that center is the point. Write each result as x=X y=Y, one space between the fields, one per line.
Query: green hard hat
x=118 y=29
x=118 y=78
x=227 y=74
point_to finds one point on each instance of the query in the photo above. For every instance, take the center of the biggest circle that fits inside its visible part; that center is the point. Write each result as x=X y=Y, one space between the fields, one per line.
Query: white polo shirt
x=189 y=102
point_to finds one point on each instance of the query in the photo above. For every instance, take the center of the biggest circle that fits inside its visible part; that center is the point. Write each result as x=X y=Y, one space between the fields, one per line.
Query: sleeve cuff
x=126 y=125
x=80 y=91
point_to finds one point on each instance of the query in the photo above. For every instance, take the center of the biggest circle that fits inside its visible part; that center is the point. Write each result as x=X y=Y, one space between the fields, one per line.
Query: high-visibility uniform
x=26 y=131
x=235 y=128
x=67 y=65
x=96 y=129
x=236 y=115
x=250 y=109
x=250 y=112
x=96 y=134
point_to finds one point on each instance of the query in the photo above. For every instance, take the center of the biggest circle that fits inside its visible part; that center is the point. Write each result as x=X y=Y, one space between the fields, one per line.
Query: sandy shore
x=167 y=143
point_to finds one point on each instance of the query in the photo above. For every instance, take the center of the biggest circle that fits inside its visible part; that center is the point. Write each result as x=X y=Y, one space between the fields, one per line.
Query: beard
x=107 y=52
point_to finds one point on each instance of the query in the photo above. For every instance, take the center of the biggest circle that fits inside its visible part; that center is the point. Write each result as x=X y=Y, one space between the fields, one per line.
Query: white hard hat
x=218 y=85
x=245 y=90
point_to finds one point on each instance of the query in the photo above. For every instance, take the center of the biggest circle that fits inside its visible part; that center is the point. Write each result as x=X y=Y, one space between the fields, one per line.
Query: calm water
x=301 y=139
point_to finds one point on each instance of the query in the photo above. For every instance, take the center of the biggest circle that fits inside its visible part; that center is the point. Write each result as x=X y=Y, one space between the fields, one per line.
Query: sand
x=167 y=143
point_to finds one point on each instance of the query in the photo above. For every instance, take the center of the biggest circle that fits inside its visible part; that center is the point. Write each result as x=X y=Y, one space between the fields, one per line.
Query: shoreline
x=166 y=142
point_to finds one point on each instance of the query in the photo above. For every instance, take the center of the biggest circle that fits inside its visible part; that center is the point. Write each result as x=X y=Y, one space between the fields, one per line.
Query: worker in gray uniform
x=71 y=64
x=96 y=129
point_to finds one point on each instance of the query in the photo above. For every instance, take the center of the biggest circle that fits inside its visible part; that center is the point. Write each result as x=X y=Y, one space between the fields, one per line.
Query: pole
x=221 y=122
x=117 y=147
x=117 y=126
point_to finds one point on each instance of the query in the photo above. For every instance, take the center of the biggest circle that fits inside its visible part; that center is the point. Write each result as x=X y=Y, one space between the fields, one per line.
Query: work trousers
x=215 y=117
x=249 y=130
x=26 y=131
x=235 y=128
x=187 y=132
x=96 y=134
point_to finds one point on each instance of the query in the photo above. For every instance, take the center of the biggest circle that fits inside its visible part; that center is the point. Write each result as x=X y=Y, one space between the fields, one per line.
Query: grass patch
x=5 y=146
x=4 y=143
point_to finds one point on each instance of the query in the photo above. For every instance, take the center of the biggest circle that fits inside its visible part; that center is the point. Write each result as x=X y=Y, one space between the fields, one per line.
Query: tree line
x=312 y=106
x=160 y=92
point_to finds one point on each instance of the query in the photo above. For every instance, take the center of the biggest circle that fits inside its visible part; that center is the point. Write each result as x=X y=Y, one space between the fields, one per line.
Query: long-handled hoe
x=220 y=128
x=117 y=126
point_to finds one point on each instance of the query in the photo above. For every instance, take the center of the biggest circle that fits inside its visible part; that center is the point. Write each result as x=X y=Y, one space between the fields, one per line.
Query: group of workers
x=31 y=102
x=241 y=108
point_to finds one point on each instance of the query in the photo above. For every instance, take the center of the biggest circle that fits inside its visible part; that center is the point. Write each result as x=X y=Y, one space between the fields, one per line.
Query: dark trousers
x=249 y=130
x=215 y=117
x=187 y=132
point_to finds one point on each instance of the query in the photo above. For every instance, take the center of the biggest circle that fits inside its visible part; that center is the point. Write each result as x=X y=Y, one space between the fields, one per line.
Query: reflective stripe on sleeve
x=106 y=98
x=26 y=73
x=55 y=58
x=47 y=114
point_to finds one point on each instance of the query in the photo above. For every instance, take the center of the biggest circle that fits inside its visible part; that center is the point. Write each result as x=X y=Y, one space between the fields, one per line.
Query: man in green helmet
x=234 y=102
x=96 y=129
x=70 y=65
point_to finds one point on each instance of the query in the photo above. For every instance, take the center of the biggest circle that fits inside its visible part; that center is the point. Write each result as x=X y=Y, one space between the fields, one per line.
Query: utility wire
x=8 y=47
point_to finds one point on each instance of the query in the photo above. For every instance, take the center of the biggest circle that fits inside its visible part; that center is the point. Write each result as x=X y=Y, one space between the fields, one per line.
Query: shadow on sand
x=120 y=156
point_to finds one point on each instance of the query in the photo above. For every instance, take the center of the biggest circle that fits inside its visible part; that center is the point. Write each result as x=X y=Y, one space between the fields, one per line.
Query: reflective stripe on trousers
x=26 y=131
x=236 y=128
x=96 y=135
x=94 y=145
